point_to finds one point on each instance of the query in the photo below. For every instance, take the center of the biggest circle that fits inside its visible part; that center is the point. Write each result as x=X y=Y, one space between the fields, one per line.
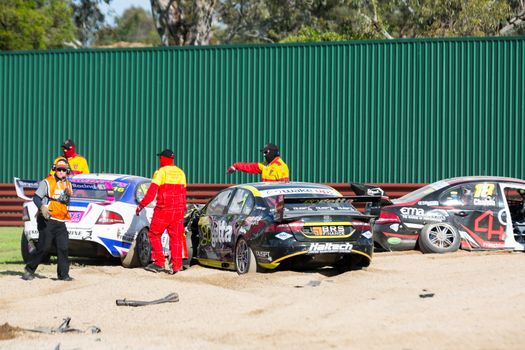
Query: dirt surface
x=402 y=301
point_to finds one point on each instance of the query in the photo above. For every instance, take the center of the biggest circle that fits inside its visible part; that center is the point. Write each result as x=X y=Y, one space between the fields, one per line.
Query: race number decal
x=484 y=190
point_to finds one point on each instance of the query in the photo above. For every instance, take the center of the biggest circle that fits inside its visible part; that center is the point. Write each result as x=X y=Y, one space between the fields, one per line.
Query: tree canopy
x=40 y=24
x=35 y=24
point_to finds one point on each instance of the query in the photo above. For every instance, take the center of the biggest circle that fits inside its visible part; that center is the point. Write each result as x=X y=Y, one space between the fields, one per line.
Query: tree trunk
x=183 y=22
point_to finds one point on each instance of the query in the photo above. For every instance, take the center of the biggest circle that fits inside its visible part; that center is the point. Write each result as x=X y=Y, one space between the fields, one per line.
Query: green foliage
x=135 y=25
x=32 y=24
x=309 y=34
x=317 y=20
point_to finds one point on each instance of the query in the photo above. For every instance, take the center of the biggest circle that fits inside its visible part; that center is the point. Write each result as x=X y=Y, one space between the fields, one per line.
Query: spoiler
x=278 y=202
x=21 y=185
x=89 y=185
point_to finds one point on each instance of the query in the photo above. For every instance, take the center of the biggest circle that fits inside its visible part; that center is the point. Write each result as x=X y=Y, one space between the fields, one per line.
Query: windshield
x=99 y=190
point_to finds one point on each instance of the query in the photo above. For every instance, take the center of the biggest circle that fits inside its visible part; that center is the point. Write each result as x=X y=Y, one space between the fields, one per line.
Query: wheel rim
x=144 y=249
x=442 y=237
x=242 y=258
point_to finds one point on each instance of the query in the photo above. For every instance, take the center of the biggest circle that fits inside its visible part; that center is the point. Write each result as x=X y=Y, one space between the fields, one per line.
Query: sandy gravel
x=477 y=303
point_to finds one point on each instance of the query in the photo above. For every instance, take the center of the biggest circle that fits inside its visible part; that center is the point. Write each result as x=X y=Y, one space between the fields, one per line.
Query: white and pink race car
x=103 y=221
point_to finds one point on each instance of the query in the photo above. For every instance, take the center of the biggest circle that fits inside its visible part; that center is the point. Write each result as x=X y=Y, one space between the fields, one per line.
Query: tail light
x=25 y=214
x=362 y=226
x=109 y=217
x=290 y=227
x=386 y=217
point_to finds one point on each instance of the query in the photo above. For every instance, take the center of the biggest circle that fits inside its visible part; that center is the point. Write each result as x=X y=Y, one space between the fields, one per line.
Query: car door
x=238 y=210
x=476 y=214
x=513 y=215
x=213 y=230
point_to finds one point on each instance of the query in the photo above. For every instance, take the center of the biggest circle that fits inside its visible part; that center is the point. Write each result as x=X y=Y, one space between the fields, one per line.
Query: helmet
x=61 y=162
x=270 y=151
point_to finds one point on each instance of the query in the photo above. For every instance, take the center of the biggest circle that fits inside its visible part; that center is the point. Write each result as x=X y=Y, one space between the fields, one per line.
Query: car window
x=140 y=190
x=242 y=203
x=457 y=195
x=100 y=190
x=472 y=194
x=217 y=204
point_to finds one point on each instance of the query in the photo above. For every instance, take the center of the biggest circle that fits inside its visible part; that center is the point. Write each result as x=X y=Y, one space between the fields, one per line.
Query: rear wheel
x=439 y=238
x=244 y=259
x=143 y=247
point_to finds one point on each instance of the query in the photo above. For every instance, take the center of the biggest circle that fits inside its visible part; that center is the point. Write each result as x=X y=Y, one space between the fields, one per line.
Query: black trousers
x=49 y=231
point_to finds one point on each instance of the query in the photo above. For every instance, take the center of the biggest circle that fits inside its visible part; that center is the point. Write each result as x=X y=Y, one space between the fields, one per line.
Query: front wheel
x=244 y=259
x=439 y=238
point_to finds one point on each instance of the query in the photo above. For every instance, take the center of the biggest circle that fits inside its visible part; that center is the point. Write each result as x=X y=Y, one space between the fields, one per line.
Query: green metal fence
x=371 y=111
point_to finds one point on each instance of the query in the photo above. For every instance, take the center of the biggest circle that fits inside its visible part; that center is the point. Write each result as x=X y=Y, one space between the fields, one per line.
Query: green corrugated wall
x=374 y=111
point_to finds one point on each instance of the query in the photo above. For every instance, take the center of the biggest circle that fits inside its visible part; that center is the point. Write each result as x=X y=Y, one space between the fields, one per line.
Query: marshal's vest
x=55 y=189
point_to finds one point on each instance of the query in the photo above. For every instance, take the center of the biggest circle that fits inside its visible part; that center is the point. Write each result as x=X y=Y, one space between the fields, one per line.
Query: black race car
x=474 y=213
x=260 y=226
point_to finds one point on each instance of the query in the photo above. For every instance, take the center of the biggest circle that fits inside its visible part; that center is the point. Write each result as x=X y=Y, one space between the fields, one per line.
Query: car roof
x=460 y=179
x=290 y=189
x=108 y=177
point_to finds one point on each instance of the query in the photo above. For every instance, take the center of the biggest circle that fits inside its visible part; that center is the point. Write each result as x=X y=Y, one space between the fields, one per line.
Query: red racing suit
x=277 y=170
x=169 y=186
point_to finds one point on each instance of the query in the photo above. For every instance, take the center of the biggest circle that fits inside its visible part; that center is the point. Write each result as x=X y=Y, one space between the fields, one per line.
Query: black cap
x=270 y=147
x=68 y=144
x=167 y=153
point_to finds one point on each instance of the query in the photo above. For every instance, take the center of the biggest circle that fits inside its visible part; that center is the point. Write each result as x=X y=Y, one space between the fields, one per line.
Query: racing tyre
x=24 y=247
x=244 y=259
x=439 y=238
x=143 y=247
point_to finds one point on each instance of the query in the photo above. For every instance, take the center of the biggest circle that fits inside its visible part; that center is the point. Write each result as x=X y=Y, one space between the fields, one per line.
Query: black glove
x=65 y=197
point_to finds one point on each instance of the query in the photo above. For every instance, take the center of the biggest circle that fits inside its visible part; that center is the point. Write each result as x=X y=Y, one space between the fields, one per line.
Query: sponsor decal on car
x=328 y=230
x=367 y=234
x=485 y=202
x=283 y=236
x=284 y=191
x=316 y=248
x=222 y=233
x=394 y=240
x=428 y=203
x=32 y=234
x=263 y=255
x=420 y=214
x=76 y=216
x=80 y=234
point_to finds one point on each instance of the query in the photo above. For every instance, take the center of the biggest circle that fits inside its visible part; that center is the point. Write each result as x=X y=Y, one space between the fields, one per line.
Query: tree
x=32 y=24
x=309 y=34
x=135 y=25
x=184 y=22
x=88 y=19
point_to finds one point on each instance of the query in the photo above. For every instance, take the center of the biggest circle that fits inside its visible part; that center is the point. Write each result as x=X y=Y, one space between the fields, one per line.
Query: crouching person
x=52 y=200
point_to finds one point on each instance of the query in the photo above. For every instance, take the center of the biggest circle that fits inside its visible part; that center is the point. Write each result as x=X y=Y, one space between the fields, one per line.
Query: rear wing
x=278 y=202
x=22 y=185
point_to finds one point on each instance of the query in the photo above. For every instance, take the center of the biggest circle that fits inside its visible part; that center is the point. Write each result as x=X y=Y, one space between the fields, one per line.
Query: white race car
x=103 y=221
